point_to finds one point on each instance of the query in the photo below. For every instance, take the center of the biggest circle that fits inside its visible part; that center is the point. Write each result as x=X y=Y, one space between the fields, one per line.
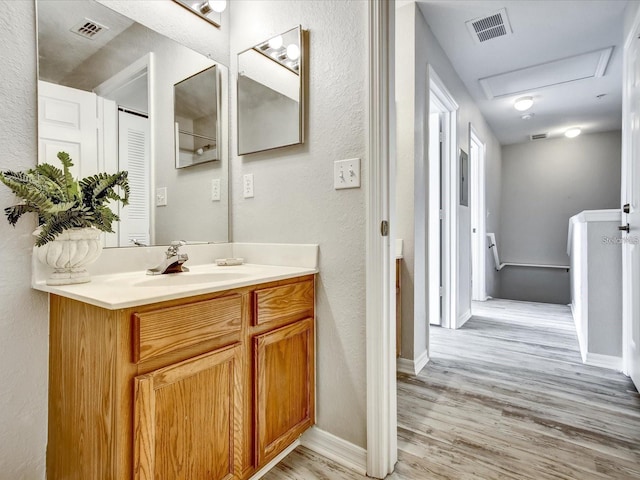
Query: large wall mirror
x=271 y=93
x=106 y=96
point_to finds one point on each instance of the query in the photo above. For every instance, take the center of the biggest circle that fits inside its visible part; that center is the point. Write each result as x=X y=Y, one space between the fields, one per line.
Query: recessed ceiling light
x=528 y=116
x=572 y=132
x=523 y=103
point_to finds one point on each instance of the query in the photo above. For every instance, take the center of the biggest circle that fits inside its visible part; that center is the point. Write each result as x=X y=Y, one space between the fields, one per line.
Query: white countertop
x=130 y=289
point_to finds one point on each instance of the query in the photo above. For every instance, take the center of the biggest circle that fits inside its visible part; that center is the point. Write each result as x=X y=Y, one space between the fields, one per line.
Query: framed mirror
x=271 y=93
x=100 y=71
x=195 y=108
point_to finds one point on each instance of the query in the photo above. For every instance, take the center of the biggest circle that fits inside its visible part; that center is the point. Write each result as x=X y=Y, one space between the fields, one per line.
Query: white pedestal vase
x=69 y=255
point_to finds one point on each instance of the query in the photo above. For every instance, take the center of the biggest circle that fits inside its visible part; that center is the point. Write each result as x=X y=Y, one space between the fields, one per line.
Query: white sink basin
x=187 y=278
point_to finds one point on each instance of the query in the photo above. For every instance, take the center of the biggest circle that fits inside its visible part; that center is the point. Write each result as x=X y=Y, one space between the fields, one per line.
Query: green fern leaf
x=15 y=212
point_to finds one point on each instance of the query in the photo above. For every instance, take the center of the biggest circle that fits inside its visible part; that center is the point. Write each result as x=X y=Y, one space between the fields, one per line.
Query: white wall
x=416 y=47
x=23 y=322
x=294 y=197
x=546 y=182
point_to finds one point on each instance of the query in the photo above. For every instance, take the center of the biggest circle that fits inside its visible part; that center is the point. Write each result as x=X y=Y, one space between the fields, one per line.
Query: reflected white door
x=631 y=197
x=133 y=156
x=67 y=122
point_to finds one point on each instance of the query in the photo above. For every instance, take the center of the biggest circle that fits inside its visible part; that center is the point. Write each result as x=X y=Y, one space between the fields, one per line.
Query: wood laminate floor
x=505 y=397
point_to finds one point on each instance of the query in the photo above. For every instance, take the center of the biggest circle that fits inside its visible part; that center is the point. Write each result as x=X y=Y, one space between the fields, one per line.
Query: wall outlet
x=346 y=173
x=247 y=185
x=161 y=197
x=215 y=190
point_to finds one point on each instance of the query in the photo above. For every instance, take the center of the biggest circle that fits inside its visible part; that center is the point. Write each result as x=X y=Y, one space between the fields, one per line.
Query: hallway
x=506 y=396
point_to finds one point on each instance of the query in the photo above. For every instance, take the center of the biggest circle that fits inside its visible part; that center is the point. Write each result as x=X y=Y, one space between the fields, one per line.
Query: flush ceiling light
x=523 y=103
x=572 y=132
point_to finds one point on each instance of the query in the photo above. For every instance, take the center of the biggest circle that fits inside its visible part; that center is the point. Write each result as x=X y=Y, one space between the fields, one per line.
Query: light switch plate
x=247 y=185
x=346 y=173
x=161 y=197
x=215 y=190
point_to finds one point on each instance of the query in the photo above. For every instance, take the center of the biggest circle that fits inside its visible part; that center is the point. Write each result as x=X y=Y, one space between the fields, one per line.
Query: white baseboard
x=412 y=367
x=604 y=361
x=334 y=448
x=462 y=319
x=264 y=470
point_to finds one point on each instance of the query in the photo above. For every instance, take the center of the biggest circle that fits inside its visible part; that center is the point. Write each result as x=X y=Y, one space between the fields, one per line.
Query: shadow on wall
x=546 y=285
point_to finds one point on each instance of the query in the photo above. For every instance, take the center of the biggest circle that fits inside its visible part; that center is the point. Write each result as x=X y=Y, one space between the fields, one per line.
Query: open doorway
x=442 y=218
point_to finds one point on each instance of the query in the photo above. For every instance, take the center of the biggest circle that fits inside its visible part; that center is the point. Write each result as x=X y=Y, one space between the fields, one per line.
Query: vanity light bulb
x=276 y=42
x=218 y=5
x=293 y=52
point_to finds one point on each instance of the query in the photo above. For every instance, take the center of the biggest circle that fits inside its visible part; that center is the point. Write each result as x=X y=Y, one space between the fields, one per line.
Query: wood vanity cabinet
x=206 y=387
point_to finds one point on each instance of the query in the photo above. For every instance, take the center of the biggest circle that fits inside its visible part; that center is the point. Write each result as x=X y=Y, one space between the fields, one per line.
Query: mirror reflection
x=102 y=72
x=196 y=118
x=270 y=93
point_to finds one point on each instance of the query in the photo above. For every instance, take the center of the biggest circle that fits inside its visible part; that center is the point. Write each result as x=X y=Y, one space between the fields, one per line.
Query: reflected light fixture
x=276 y=42
x=523 y=103
x=572 y=132
x=528 y=116
x=293 y=52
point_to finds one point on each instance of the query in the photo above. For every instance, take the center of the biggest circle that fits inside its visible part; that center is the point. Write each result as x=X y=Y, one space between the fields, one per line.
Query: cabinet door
x=188 y=419
x=285 y=387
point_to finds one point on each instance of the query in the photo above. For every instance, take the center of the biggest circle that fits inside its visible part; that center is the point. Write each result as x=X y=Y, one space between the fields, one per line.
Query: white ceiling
x=543 y=31
x=60 y=50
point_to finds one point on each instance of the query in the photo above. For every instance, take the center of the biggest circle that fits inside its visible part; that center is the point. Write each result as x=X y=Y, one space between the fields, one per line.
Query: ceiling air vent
x=492 y=26
x=89 y=29
x=539 y=136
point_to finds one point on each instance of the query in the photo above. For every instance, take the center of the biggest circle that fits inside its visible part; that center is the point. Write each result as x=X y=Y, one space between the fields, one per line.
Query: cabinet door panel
x=293 y=301
x=285 y=387
x=188 y=419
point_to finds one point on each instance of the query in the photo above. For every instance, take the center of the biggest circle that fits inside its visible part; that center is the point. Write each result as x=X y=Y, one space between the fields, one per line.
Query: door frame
x=439 y=91
x=478 y=217
x=627 y=161
x=382 y=434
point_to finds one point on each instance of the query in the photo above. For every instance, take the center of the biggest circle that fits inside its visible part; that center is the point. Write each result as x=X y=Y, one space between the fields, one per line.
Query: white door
x=67 y=122
x=435 y=249
x=478 y=235
x=133 y=156
x=631 y=197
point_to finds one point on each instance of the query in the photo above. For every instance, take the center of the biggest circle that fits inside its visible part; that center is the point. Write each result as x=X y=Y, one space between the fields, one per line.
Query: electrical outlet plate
x=215 y=190
x=247 y=185
x=346 y=173
x=161 y=197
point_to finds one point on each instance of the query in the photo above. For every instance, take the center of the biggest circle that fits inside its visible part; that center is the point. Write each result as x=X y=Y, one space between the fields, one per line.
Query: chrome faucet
x=173 y=261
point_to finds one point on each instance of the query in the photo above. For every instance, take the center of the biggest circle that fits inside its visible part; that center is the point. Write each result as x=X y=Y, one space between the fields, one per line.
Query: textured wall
x=544 y=184
x=23 y=321
x=294 y=196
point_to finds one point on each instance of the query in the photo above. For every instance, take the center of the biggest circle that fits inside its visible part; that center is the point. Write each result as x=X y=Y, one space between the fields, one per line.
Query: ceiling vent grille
x=492 y=26
x=539 y=136
x=89 y=29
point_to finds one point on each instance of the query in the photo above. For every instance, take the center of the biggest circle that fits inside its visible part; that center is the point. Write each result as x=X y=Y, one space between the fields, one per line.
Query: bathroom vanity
x=212 y=385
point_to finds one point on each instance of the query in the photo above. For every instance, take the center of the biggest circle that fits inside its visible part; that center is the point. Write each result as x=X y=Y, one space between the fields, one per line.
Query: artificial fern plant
x=63 y=202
